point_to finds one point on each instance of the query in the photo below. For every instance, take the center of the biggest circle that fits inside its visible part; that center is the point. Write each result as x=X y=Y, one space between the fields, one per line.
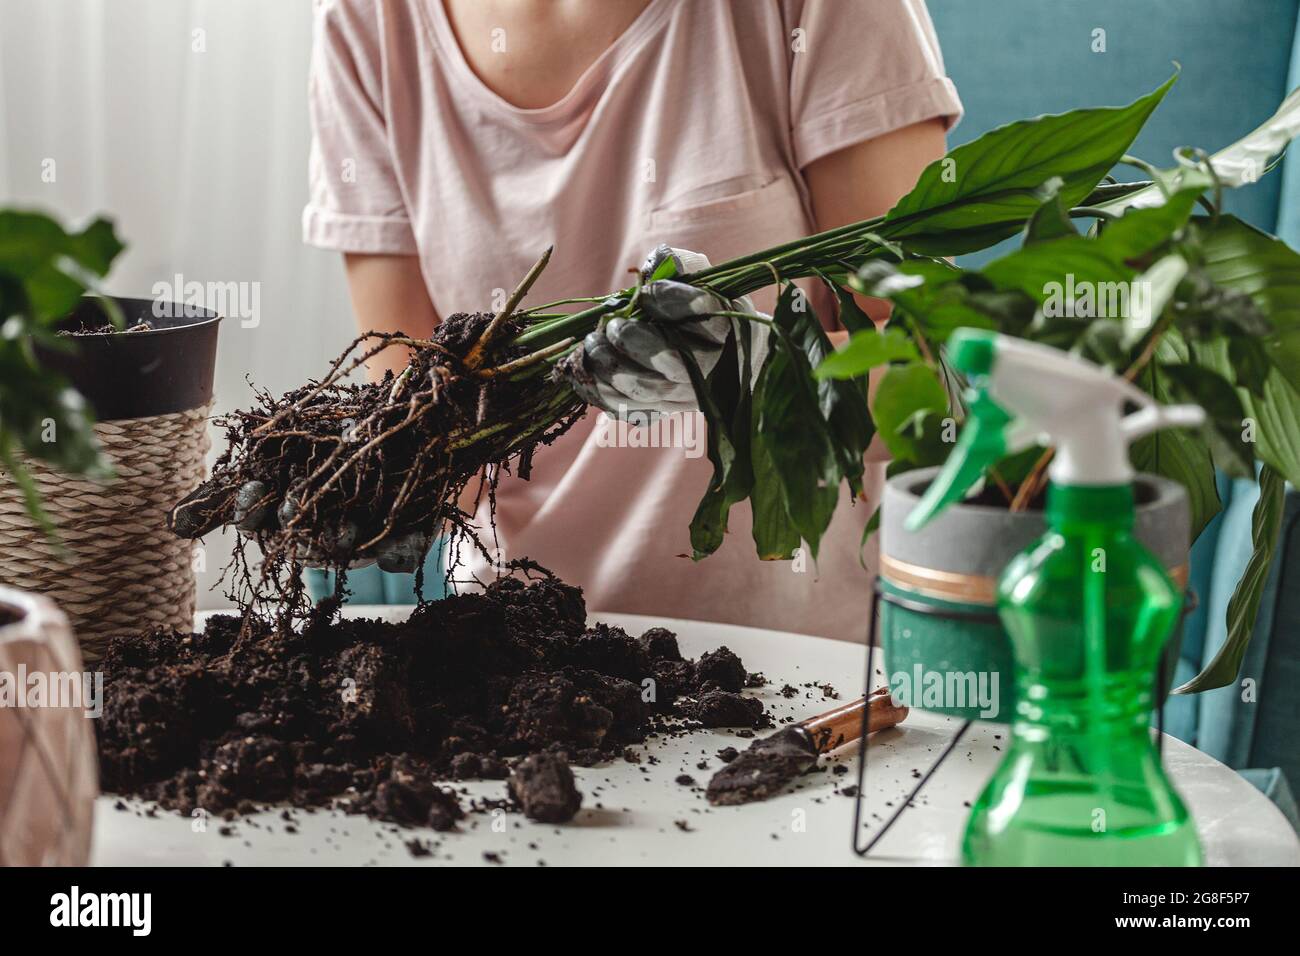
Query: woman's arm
x=389 y=295
x=866 y=180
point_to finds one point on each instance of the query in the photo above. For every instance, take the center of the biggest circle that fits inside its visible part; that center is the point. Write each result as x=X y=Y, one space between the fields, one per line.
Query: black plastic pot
x=138 y=374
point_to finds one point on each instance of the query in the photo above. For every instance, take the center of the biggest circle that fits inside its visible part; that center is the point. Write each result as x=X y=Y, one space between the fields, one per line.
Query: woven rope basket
x=116 y=567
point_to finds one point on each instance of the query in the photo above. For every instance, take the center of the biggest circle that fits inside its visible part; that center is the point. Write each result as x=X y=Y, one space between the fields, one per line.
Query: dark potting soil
x=543 y=785
x=373 y=717
x=107 y=329
x=720 y=708
x=764 y=769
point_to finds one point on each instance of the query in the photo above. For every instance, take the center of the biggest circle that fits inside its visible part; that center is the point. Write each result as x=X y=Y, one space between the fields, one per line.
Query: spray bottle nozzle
x=1022 y=392
x=972 y=351
x=982 y=443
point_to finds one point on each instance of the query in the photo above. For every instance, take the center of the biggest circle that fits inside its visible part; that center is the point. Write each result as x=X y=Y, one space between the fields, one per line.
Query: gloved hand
x=252 y=508
x=629 y=365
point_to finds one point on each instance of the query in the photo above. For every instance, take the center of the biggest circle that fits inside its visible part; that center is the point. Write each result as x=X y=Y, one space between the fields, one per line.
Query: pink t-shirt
x=691 y=129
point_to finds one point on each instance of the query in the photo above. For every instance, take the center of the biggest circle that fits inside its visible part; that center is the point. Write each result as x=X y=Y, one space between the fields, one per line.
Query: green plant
x=1212 y=316
x=1218 y=323
x=792 y=441
x=44 y=272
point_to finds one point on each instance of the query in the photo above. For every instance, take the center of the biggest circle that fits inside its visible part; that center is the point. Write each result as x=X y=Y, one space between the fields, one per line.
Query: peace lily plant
x=1150 y=278
x=1189 y=303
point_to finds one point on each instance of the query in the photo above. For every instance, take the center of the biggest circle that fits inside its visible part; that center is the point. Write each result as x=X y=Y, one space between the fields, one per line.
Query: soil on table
x=764 y=769
x=376 y=717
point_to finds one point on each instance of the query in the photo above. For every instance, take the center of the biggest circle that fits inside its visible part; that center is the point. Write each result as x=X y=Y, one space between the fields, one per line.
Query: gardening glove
x=253 y=509
x=630 y=366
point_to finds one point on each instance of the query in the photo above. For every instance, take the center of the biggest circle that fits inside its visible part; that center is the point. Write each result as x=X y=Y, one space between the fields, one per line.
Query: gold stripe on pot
x=964 y=588
x=946 y=585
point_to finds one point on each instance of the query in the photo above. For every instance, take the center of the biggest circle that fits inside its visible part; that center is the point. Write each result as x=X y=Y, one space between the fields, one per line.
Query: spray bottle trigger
x=1152 y=417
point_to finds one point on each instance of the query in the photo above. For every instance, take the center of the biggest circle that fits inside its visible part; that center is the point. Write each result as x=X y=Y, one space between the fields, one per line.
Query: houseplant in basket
x=99 y=549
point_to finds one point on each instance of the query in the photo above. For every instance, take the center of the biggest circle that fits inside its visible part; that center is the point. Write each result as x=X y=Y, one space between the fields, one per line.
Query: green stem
x=797 y=245
x=1091 y=212
x=797 y=259
x=732 y=278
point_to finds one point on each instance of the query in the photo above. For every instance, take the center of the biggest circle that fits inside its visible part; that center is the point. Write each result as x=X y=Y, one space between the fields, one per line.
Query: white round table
x=637 y=814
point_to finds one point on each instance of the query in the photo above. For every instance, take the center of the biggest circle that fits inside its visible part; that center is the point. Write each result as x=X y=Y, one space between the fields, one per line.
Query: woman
x=455 y=139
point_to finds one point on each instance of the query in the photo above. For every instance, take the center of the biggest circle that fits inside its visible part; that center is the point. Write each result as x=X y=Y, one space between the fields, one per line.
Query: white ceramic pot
x=48 y=769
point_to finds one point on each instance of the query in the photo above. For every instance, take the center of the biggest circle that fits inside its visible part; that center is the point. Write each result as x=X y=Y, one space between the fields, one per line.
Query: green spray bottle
x=1088 y=610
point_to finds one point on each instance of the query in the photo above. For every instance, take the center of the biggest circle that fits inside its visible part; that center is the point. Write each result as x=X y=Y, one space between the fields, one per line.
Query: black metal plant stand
x=990 y=616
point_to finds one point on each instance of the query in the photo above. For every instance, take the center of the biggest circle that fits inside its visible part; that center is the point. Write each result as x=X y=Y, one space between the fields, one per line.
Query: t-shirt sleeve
x=859 y=70
x=356 y=202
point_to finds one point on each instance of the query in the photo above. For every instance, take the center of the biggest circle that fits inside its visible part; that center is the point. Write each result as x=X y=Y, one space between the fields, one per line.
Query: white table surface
x=630 y=817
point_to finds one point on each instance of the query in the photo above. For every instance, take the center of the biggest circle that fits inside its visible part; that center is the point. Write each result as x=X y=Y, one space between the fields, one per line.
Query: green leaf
x=1072 y=276
x=1111 y=192
x=724 y=401
x=667 y=269
x=1010 y=312
x=1240 y=164
x=905 y=394
x=896 y=280
x=850 y=313
x=990 y=184
x=775 y=536
x=1102 y=342
x=44 y=272
x=1140 y=231
x=1242 y=258
x=54 y=267
x=1174 y=452
x=843 y=404
x=1275 y=421
x=1271 y=419
x=1183 y=457
x=1151 y=293
x=1249 y=358
x=1243 y=606
x=938 y=299
x=807 y=461
x=1255 y=153
x=870 y=528
x=1052 y=219
x=960 y=242
x=1223 y=414
x=866 y=350
x=96 y=247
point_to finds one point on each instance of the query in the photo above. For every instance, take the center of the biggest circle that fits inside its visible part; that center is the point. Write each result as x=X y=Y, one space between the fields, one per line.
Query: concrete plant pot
x=952 y=567
x=48 y=769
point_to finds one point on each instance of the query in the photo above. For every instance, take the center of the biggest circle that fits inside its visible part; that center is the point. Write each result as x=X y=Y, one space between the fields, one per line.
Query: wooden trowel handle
x=843 y=725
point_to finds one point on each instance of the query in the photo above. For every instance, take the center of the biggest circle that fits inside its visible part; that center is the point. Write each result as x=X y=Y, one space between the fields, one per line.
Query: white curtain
x=185 y=121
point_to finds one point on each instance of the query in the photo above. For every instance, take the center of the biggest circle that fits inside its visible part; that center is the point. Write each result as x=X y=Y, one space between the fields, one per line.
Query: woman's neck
x=531 y=53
